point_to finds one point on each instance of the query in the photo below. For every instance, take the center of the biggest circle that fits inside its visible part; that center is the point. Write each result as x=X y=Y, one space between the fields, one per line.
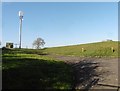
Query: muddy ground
x=93 y=74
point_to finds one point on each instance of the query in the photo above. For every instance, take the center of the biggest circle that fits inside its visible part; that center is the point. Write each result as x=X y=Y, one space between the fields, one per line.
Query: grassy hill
x=103 y=49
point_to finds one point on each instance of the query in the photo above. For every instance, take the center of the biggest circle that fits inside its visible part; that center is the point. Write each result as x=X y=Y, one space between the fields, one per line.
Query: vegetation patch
x=101 y=49
x=30 y=71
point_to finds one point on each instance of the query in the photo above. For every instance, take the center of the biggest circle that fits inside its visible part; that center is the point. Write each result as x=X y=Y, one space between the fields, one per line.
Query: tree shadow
x=85 y=75
x=27 y=73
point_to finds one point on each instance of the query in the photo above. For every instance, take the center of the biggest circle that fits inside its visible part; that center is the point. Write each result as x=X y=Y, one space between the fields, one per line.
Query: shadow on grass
x=28 y=73
x=24 y=73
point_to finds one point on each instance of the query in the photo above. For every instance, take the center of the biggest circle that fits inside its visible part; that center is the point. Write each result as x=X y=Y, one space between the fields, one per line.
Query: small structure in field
x=9 y=45
x=83 y=50
x=113 y=50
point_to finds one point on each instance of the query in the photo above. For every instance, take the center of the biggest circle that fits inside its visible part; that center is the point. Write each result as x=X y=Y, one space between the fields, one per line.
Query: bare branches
x=38 y=43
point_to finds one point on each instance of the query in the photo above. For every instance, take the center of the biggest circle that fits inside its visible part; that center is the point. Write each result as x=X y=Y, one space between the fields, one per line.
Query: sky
x=60 y=23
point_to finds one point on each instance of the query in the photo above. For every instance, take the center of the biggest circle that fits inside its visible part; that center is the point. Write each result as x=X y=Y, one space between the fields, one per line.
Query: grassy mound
x=101 y=49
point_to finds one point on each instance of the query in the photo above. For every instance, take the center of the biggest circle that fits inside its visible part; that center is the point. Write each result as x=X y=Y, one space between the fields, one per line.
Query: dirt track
x=94 y=73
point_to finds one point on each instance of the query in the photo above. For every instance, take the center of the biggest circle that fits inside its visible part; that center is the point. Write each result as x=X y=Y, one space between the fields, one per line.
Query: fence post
x=112 y=49
x=83 y=49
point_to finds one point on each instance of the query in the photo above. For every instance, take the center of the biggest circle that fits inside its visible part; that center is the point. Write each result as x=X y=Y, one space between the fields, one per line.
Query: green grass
x=31 y=69
x=102 y=49
x=34 y=71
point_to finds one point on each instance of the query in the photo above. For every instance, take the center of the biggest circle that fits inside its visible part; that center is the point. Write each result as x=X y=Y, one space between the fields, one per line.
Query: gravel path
x=93 y=73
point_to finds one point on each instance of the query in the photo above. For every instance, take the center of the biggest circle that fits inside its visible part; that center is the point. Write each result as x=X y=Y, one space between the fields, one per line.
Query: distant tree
x=38 y=43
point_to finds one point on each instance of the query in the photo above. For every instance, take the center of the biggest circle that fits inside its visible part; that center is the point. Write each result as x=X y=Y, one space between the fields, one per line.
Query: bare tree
x=38 y=43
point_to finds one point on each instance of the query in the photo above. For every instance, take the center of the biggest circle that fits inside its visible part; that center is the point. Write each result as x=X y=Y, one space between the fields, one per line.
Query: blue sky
x=60 y=24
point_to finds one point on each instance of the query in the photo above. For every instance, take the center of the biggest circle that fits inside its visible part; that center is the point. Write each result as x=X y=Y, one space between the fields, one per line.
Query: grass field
x=101 y=49
x=32 y=69
x=23 y=70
